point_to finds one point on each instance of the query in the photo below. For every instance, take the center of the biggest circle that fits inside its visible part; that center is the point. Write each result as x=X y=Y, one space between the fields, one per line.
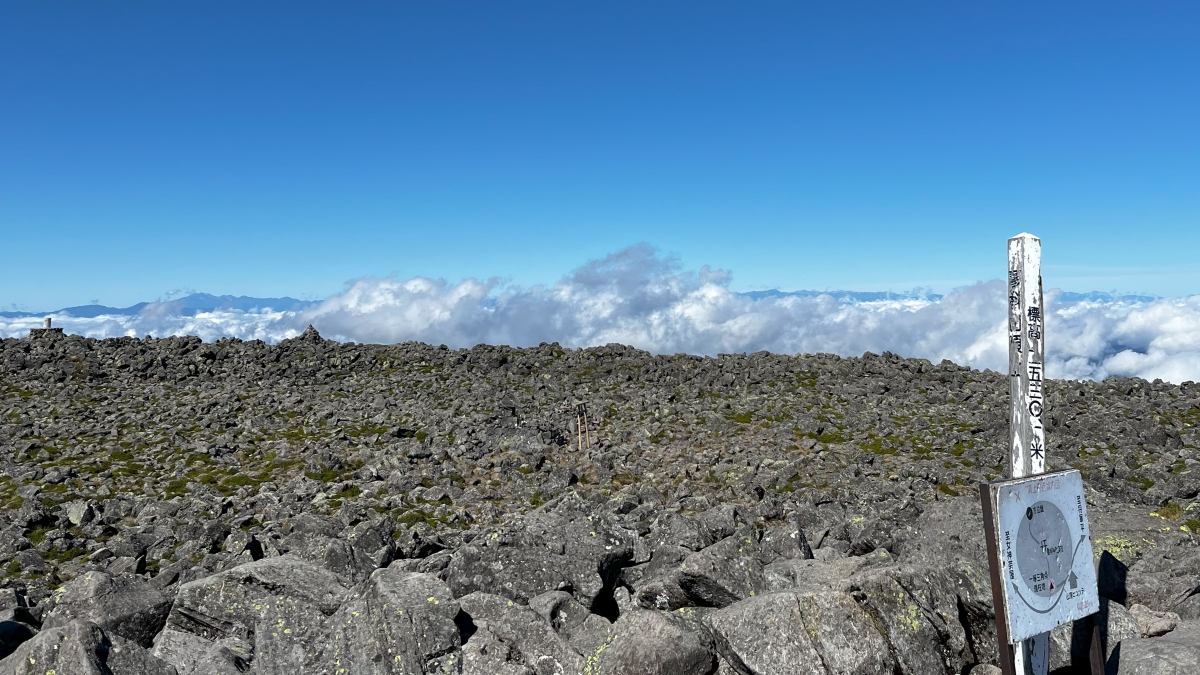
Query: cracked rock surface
x=175 y=506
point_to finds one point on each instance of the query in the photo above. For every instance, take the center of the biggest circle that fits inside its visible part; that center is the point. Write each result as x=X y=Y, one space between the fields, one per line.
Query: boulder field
x=180 y=507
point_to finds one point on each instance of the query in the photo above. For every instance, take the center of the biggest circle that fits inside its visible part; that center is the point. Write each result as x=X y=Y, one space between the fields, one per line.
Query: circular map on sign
x=1044 y=550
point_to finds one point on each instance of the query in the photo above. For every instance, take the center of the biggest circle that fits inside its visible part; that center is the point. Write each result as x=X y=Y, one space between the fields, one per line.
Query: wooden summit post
x=1026 y=357
x=1035 y=523
x=1027 y=435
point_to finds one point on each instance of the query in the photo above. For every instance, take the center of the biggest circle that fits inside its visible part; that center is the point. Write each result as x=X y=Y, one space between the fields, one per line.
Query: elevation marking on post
x=1026 y=357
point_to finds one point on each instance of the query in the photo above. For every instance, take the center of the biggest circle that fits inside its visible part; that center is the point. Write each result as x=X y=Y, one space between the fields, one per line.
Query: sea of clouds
x=639 y=297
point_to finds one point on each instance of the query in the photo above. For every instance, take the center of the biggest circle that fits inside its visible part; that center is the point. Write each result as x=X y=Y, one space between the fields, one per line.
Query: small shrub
x=946 y=488
x=37 y=535
x=1171 y=511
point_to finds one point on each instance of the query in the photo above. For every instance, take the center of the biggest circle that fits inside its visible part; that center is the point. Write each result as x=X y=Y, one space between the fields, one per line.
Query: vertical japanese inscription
x=1026 y=370
x=1026 y=356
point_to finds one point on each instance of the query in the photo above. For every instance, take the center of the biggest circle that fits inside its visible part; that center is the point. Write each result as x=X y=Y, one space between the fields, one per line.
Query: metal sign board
x=1040 y=550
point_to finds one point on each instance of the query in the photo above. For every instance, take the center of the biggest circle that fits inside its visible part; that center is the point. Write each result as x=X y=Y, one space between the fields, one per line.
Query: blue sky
x=285 y=148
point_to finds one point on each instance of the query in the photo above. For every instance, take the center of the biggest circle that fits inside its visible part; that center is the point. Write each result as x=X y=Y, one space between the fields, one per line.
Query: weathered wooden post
x=1026 y=371
x=582 y=424
x=1026 y=357
x=1035 y=523
x=587 y=426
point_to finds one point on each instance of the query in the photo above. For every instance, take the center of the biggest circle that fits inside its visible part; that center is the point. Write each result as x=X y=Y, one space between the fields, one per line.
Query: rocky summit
x=170 y=506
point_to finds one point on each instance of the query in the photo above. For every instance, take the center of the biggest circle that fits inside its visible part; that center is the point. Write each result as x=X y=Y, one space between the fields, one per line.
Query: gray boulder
x=526 y=633
x=766 y=635
x=572 y=621
x=1152 y=623
x=927 y=614
x=946 y=531
x=795 y=573
x=278 y=606
x=350 y=563
x=1154 y=656
x=1187 y=633
x=486 y=654
x=11 y=598
x=656 y=583
x=723 y=668
x=194 y=655
x=801 y=632
x=717 y=576
x=12 y=541
x=396 y=623
x=589 y=635
x=373 y=540
x=699 y=532
x=649 y=642
x=312 y=524
x=1164 y=591
x=784 y=542
x=127 y=606
x=127 y=658
x=82 y=648
x=723 y=573
x=418 y=541
x=29 y=560
x=564 y=545
x=662 y=592
x=1164 y=578
x=224 y=660
x=1070 y=643
x=80 y=512
x=13 y=634
x=559 y=609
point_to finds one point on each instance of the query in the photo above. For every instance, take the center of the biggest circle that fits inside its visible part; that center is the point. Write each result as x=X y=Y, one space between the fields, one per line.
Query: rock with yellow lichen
x=486 y=654
x=527 y=633
x=568 y=544
x=128 y=606
x=396 y=623
x=572 y=621
x=278 y=607
x=650 y=642
x=82 y=648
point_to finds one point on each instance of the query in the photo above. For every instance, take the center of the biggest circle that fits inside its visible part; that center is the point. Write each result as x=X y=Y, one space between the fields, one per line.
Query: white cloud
x=640 y=298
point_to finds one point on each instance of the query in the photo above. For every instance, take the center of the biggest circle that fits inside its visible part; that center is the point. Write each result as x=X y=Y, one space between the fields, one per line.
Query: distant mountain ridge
x=189 y=305
x=843 y=296
x=1100 y=296
x=193 y=304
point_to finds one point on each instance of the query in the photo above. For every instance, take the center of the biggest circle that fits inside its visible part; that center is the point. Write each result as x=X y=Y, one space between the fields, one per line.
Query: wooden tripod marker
x=587 y=426
x=582 y=425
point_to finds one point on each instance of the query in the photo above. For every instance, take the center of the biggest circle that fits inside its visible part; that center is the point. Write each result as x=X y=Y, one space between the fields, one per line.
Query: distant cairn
x=45 y=331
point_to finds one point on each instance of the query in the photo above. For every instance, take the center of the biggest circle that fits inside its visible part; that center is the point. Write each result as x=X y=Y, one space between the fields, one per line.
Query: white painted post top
x=1026 y=356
